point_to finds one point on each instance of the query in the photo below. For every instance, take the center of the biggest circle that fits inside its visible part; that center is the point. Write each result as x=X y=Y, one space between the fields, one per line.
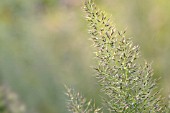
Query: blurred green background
x=44 y=45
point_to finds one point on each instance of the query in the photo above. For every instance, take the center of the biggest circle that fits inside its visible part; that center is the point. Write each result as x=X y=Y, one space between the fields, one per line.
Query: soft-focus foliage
x=43 y=44
x=9 y=101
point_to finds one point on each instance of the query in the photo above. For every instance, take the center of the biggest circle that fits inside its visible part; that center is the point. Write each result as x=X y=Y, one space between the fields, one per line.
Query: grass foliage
x=128 y=85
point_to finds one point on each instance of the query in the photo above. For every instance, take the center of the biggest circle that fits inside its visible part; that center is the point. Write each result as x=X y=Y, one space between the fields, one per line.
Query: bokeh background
x=44 y=45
